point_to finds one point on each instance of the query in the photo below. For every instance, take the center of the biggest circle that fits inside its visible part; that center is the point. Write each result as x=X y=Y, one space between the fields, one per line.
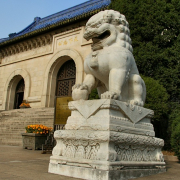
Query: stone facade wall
x=37 y=61
x=13 y=123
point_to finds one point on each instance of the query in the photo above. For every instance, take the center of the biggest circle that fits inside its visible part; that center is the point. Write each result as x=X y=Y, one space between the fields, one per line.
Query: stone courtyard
x=17 y=163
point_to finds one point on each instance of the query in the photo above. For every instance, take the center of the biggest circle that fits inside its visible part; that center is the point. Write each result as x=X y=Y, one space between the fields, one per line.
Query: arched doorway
x=66 y=79
x=19 y=94
x=50 y=75
x=10 y=87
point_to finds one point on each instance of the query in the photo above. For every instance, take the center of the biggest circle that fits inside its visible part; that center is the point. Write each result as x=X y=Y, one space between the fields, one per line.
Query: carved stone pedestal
x=107 y=140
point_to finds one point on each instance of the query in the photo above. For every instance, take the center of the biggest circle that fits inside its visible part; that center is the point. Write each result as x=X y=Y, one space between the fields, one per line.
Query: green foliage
x=94 y=94
x=175 y=138
x=155 y=34
x=174 y=116
x=174 y=129
x=156 y=98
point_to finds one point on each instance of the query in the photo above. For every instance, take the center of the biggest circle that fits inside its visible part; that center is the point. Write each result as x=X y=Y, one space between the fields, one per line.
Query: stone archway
x=10 y=87
x=52 y=69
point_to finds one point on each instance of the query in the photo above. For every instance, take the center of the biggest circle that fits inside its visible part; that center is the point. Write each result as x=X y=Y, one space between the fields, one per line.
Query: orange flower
x=38 y=129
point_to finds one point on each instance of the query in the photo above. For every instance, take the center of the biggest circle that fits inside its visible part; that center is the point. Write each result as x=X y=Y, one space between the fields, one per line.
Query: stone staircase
x=13 y=123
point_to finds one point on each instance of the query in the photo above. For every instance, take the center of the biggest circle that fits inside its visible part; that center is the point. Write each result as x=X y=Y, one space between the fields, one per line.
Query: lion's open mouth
x=97 y=41
x=101 y=37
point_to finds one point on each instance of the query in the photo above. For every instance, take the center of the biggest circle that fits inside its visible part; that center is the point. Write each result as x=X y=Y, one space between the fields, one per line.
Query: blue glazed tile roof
x=58 y=19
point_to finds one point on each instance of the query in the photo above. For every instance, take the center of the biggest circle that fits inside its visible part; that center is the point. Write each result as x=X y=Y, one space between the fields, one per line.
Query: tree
x=157 y=100
x=155 y=34
x=175 y=140
x=155 y=27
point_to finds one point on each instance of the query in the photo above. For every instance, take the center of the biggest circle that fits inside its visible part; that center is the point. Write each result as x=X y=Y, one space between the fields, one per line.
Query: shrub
x=175 y=140
x=94 y=94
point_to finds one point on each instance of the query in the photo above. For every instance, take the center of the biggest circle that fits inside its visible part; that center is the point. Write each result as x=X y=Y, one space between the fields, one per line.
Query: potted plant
x=35 y=136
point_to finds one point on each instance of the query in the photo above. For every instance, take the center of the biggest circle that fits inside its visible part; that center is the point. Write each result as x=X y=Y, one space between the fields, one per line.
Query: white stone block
x=107 y=139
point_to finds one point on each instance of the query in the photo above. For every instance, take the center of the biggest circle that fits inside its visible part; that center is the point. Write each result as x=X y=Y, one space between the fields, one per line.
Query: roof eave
x=51 y=27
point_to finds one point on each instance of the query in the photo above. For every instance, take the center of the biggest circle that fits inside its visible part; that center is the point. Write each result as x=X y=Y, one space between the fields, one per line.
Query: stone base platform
x=97 y=174
x=107 y=140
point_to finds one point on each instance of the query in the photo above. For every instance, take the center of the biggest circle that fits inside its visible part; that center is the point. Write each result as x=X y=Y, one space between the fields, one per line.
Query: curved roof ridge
x=26 y=28
x=65 y=11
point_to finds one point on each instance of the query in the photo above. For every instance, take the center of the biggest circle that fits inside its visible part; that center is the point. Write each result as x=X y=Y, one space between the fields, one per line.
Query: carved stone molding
x=83 y=135
x=134 y=139
x=26 y=45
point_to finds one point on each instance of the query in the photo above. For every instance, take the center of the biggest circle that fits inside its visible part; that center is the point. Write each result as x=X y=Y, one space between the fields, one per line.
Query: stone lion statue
x=110 y=67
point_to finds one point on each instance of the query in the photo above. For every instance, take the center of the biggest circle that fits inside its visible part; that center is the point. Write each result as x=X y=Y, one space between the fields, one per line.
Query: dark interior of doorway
x=19 y=94
x=66 y=79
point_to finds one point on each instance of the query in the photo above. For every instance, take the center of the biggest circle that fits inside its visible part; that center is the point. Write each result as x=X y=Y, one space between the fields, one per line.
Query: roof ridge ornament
x=37 y=19
x=11 y=35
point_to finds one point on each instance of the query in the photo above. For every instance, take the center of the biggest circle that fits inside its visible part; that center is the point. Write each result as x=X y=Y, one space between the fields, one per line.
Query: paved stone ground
x=17 y=163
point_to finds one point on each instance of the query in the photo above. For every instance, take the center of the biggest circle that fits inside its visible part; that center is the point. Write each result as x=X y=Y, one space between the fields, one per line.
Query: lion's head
x=108 y=28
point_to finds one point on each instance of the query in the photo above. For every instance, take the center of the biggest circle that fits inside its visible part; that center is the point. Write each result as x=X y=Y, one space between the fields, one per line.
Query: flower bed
x=37 y=129
x=35 y=136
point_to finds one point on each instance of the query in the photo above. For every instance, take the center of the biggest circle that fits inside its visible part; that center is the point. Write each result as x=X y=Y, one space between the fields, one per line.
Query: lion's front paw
x=109 y=95
x=137 y=102
x=80 y=86
x=80 y=91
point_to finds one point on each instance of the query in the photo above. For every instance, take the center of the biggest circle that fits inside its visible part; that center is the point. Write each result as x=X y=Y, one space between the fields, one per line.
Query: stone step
x=13 y=123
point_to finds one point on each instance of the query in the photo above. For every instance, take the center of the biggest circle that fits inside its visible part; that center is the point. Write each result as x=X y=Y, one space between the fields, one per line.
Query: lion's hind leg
x=137 y=90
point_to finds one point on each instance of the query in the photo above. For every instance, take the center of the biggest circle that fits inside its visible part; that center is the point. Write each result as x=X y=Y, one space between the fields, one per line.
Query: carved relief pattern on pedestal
x=138 y=153
x=80 y=149
x=130 y=147
x=24 y=49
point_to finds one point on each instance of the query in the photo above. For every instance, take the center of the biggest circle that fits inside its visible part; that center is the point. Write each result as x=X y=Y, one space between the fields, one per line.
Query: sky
x=15 y=15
